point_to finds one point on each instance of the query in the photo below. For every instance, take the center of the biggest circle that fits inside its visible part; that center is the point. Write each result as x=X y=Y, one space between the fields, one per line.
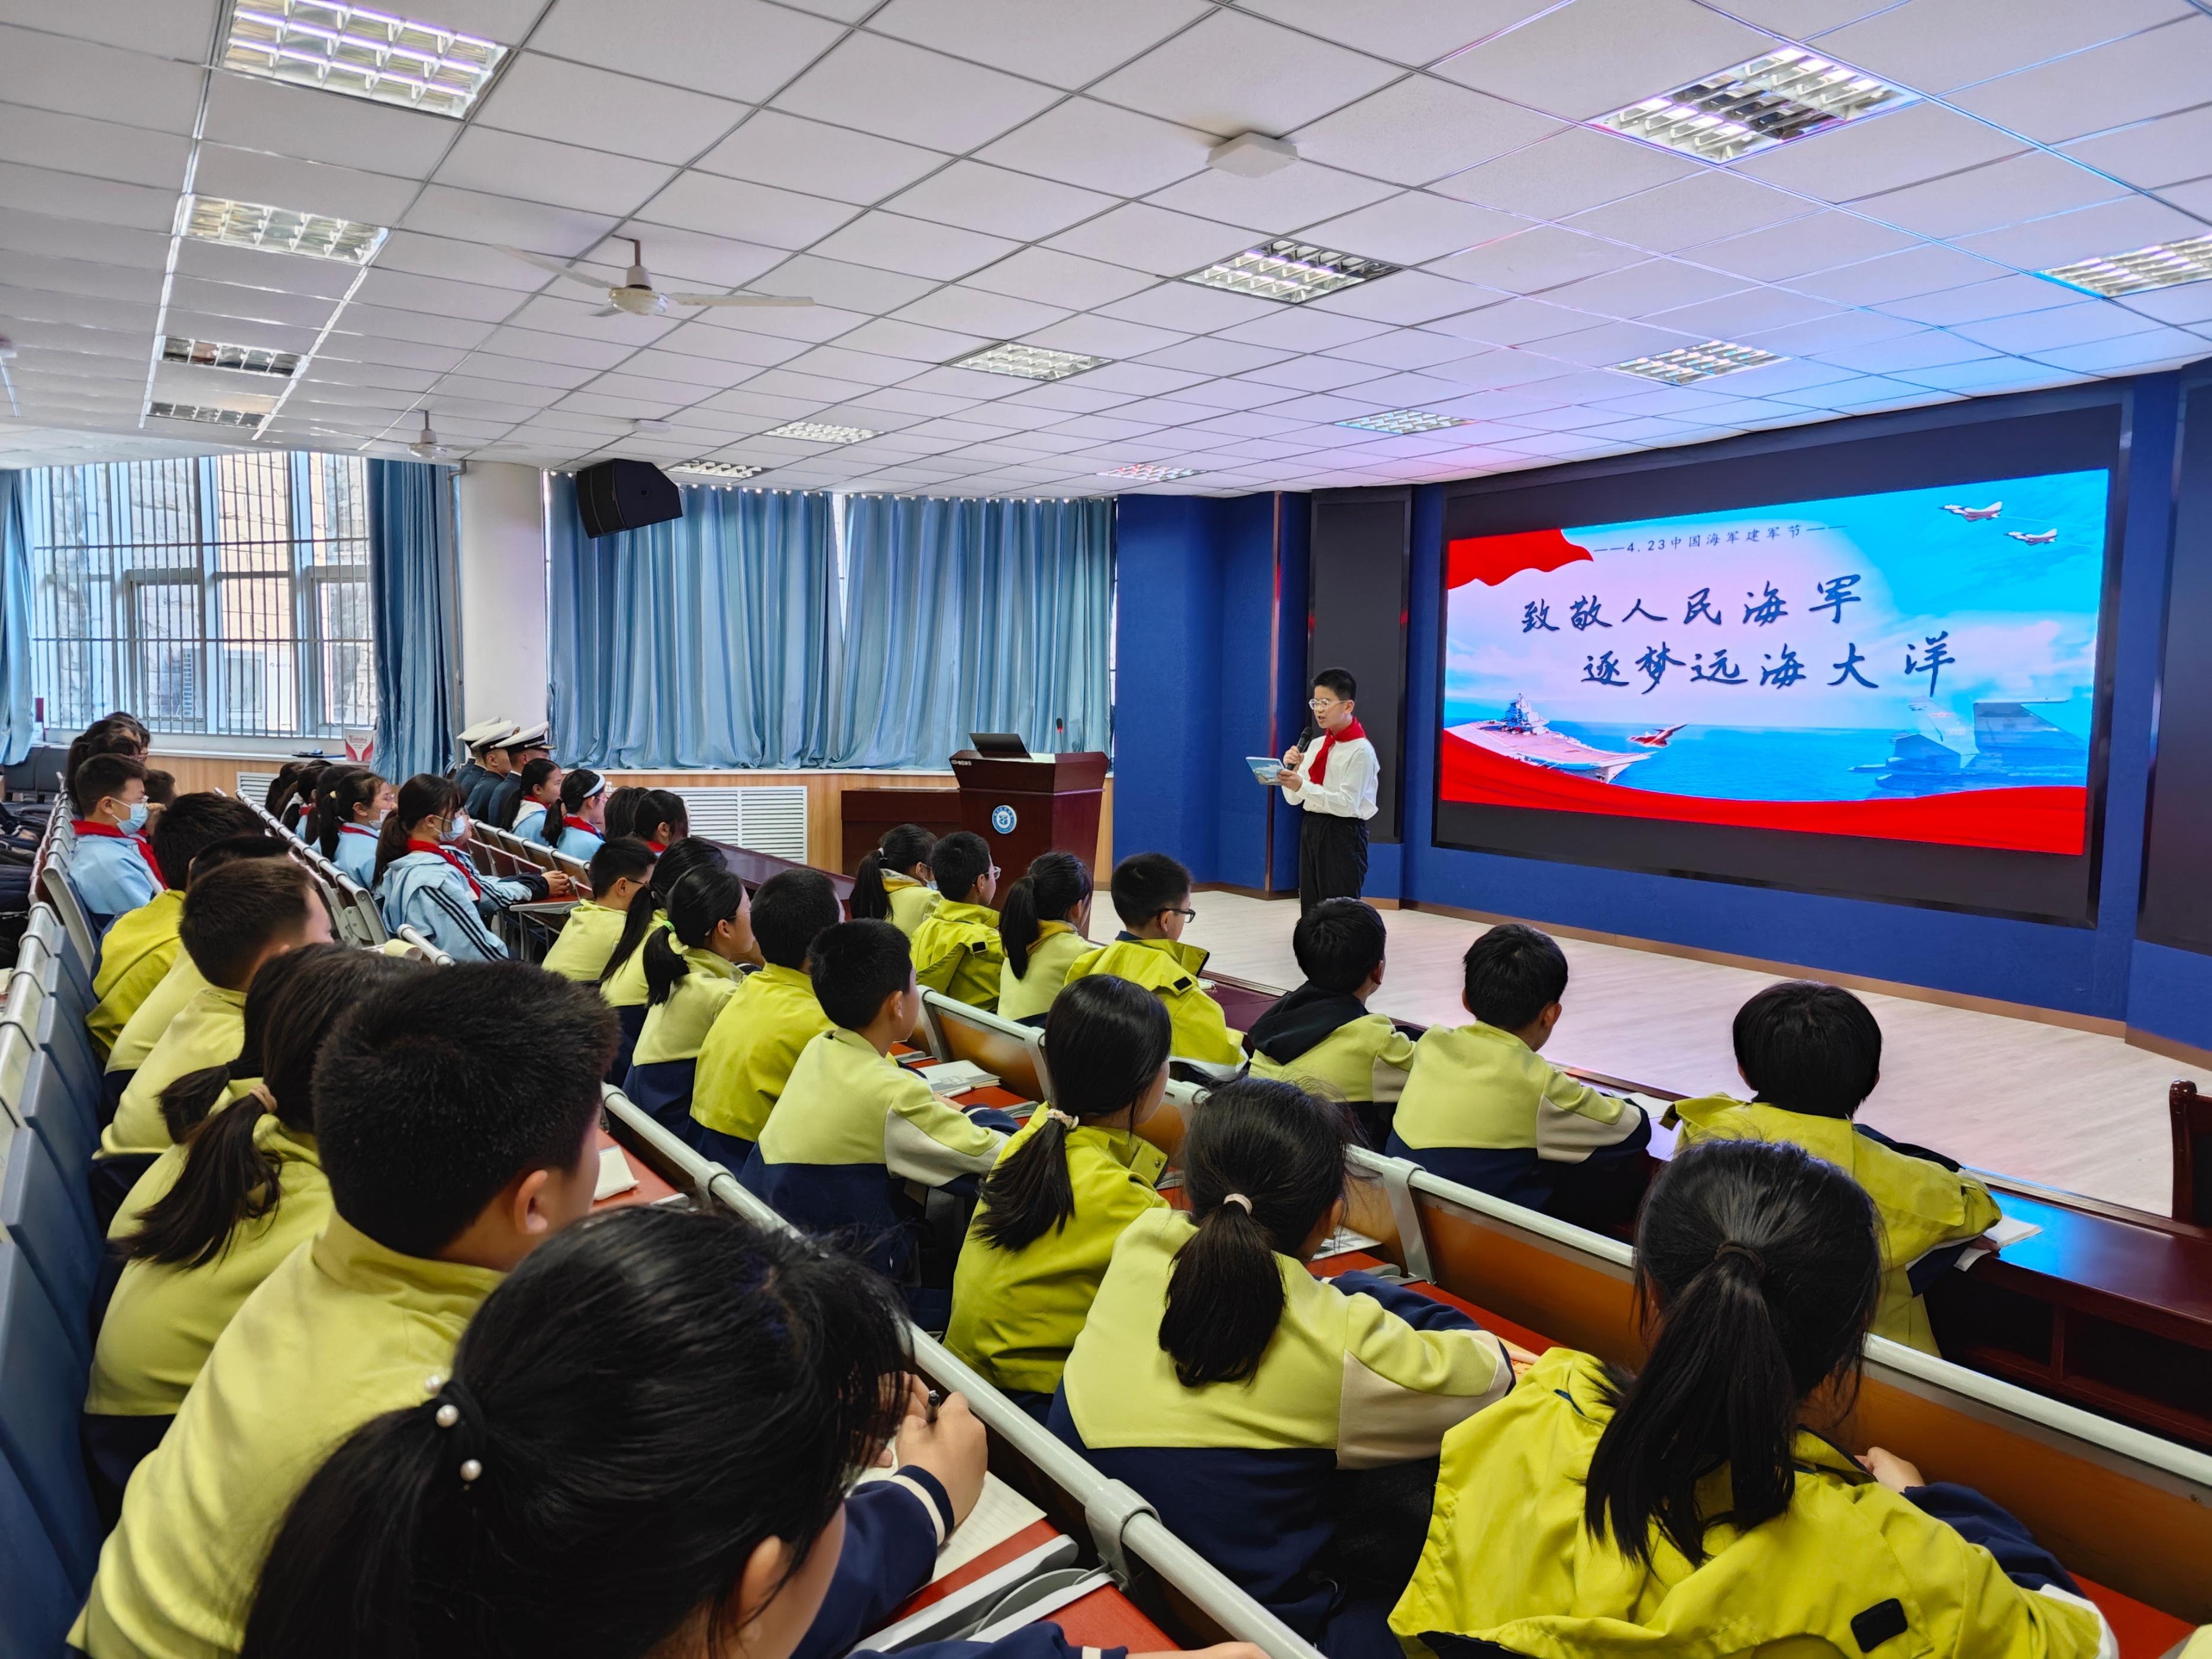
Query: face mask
x=135 y=819
x=457 y=829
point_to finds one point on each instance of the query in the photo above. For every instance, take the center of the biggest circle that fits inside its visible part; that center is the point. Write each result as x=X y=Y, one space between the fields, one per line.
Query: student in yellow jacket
x=621 y=871
x=692 y=970
x=1693 y=1508
x=756 y=1039
x=892 y=883
x=956 y=947
x=1151 y=895
x=455 y=1125
x=216 y=1217
x=1040 y=923
x=1233 y=1389
x=1321 y=1035
x=1811 y=1055
x=622 y=981
x=1070 y=1181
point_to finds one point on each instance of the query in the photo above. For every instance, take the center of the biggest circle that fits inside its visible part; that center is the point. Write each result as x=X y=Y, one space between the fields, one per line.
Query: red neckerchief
x=1354 y=730
x=659 y=847
x=356 y=829
x=569 y=821
x=93 y=827
x=476 y=889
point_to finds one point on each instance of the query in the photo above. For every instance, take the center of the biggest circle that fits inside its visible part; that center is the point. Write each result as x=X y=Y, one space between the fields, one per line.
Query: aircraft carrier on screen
x=1525 y=735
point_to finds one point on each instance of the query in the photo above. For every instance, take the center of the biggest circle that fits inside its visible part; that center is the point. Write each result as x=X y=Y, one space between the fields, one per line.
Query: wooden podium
x=1021 y=808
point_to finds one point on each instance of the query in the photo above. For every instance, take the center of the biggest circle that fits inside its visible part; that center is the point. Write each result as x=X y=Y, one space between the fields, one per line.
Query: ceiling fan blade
x=608 y=311
x=559 y=268
x=775 y=300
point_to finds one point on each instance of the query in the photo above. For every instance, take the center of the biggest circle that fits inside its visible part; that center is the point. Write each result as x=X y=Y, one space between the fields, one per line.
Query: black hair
x=103 y=737
x=1146 y=884
x=579 y=787
x=231 y=914
x=659 y=809
x=1106 y=1040
x=697 y=904
x=790 y=910
x=900 y=850
x=425 y=795
x=620 y=857
x=291 y=802
x=648 y=1397
x=1337 y=683
x=622 y=810
x=959 y=862
x=1282 y=1150
x=439 y=1089
x=678 y=861
x=856 y=966
x=227 y=1179
x=1054 y=885
x=194 y=823
x=281 y=786
x=1761 y=1266
x=1808 y=1048
x=1339 y=943
x=338 y=791
x=123 y=721
x=1513 y=974
x=260 y=842
x=99 y=776
x=161 y=787
x=534 y=776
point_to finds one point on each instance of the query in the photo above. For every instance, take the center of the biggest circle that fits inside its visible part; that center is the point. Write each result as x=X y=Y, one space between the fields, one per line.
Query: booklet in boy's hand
x=1265 y=767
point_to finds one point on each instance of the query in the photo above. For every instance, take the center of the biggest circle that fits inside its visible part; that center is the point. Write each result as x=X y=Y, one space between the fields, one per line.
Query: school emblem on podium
x=1003 y=819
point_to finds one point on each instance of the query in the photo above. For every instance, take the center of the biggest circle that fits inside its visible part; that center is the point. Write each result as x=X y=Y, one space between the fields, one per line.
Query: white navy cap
x=491 y=734
x=525 y=736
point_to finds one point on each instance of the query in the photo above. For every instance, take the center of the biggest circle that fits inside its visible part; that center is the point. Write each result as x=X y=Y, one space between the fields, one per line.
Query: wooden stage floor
x=2047 y=1104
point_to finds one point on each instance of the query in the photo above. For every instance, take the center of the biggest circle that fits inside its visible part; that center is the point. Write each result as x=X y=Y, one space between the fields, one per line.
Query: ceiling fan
x=637 y=296
x=426 y=446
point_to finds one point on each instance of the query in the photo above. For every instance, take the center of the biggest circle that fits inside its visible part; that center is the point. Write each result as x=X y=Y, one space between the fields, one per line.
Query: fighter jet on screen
x=1976 y=514
x=2037 y=540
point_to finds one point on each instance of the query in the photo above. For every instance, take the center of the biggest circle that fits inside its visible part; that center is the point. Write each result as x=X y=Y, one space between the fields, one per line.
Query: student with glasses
x=1334 y=783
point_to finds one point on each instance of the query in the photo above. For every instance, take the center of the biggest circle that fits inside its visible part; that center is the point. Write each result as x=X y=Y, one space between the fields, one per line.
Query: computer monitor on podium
x=1008 y=745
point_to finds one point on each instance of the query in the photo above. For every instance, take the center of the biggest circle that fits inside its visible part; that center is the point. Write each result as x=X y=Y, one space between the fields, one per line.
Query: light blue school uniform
x=424 y=892
x=530 y=822
x=579 y=844
x=112 y=871
x=356 y=854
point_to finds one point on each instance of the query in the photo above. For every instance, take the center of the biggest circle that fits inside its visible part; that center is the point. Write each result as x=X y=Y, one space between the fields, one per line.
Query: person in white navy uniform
x=1334 y=783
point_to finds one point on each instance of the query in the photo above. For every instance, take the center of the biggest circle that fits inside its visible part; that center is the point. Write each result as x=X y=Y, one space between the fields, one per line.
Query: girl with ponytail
x=1695 y=1505
x=892 y=883
x=1041 y=922
x=241 y=1189
x=690 y=971
x=536 y=806
x=1208 y=1331
x=1070 y=1181
x=659 y=819
x=583 y=824
x=351 y=808
x=622 y=981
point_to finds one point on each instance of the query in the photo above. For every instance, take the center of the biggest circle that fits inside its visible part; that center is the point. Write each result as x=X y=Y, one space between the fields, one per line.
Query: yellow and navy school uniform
x=1017 y=1313
x=746 y=1061
x=1328 y=1043
x=1924 y=1205
x=209 y=1030
x=1481 y=1108
x=1168 y=968
x=143 y=1029
x=140 y=948
x=344 y=1331
x=625 y=990
x=910 y=900
x=587 y=938
x=166 y=1317
x=1360 y=1373
x=1847 y=1568
x=852 y=1128
x=667 y=1057
x=112 y=871
x=1027 y=996
x=356 y=854
x=957 y=953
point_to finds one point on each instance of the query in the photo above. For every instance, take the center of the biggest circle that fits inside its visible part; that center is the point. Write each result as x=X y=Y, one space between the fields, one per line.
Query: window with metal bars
x=221 y=594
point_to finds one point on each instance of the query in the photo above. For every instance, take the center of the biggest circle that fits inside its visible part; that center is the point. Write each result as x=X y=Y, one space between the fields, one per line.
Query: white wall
x=502 y=593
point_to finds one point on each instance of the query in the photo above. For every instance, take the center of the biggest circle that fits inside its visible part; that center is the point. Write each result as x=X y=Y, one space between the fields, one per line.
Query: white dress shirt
x=1347 y=788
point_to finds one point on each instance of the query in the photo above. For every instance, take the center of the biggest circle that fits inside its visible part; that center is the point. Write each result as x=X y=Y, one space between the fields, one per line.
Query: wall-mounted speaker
x=625 y=495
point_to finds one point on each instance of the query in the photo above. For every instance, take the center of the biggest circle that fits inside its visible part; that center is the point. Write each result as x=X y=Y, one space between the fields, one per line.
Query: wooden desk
x=651 y=1188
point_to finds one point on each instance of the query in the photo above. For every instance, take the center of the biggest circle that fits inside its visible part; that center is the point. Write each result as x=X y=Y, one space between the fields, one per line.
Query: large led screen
x=1911 y=664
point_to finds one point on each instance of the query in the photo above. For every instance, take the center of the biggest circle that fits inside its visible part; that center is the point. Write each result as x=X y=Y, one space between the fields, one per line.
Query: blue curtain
x=412 y=581
x=974 y=616
x=711 y=640
x=17 y=726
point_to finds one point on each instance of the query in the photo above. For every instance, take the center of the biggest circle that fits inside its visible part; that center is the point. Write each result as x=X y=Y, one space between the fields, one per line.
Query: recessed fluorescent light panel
x=814 y=432
x=1698 y=362
x=1756 y=106
x=1290 y=270
x=718 y=469
x=278 y=230
x=215 y=354
x=362 y=53
x=2168 y=264
x=1147 y=472
x=1399 y=421
x=1027 y=363
x=205 y=415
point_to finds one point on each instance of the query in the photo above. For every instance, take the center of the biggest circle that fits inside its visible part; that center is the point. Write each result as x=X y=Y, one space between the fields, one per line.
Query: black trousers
x=1332 y=858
